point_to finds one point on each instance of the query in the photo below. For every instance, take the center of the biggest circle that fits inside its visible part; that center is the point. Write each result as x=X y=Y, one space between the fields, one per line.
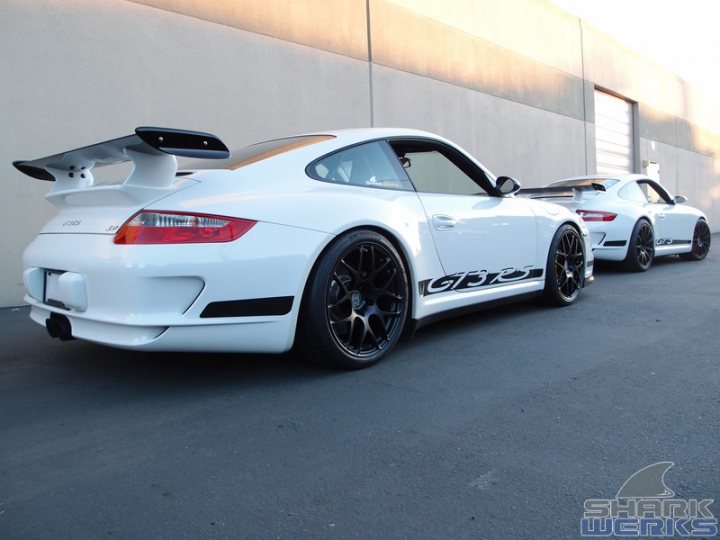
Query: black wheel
x=565 y=271
x=700 y=242
x=355 y=303
x=641 y=249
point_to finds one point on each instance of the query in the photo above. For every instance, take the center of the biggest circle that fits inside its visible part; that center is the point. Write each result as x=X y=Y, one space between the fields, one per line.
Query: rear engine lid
x=89 y=220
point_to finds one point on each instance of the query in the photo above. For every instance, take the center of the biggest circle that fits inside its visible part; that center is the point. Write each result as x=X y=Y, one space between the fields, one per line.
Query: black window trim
x=661 y=190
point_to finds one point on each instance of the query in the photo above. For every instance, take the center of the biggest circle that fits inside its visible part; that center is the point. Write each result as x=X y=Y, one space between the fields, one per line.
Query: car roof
x=349 y=136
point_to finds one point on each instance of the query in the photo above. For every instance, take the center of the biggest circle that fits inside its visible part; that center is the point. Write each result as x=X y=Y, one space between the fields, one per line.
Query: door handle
x=660 y=216
x=443 y=223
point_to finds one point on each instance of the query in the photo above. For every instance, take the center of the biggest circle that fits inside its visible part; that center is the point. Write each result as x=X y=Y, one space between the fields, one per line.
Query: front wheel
x=565 y=271
x=700 y=242
x=641 y=249
x=356 y=302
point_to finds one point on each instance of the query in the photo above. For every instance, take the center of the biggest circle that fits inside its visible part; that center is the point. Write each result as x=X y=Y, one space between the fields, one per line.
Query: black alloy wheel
x=641 y=250
x=700 y=242
x=565 y=273
x=356 y=303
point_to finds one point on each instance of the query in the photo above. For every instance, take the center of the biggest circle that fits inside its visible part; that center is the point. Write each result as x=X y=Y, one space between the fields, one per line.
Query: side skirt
x=413 y=325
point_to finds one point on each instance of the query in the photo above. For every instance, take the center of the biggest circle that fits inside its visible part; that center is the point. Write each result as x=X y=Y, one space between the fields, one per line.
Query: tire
x=641 y=248
x=355 y=303
x=700 y=242
x=565 y=269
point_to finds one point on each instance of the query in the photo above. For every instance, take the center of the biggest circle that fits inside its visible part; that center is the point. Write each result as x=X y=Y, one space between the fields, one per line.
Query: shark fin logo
x=646 y=507
x=648 y=482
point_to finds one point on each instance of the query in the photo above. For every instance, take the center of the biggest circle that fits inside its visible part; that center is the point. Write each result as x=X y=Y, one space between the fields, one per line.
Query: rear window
x=256 y=152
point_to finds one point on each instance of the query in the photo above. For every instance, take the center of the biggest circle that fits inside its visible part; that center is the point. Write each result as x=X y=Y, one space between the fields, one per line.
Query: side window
x=653 y=194
x=435 y=169
x=371 y=165
x=633 y=192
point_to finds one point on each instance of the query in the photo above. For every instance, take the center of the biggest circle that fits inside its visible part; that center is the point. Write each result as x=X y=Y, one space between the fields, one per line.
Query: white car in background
x=631 y=218
x=337 y=242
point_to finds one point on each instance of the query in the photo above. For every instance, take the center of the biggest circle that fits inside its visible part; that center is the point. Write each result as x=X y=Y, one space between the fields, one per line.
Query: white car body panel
x=154 y=297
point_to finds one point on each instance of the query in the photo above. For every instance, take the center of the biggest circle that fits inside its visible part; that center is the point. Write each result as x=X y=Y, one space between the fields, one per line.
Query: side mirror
x=505 y=185
x=680 y=199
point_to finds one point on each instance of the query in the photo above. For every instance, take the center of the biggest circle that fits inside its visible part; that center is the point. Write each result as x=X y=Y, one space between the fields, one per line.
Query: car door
x=483 y=240
x=673 y=227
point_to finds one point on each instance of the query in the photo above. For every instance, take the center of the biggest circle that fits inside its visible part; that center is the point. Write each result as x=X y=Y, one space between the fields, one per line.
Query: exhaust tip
x=58 y=326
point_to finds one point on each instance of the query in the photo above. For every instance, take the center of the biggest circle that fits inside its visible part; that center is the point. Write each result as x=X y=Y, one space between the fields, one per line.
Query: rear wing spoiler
x=559 y=191
x=151 y=149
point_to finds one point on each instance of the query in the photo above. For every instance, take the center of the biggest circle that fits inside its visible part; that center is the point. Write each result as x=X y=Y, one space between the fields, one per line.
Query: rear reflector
x=593 y=215
x=180 y=228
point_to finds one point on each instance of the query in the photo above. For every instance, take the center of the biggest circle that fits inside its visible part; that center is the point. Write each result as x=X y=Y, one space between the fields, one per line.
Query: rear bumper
x=261 y=335
x=610 y=253
x=193 y=297
x=610 y=239
x=589 y=262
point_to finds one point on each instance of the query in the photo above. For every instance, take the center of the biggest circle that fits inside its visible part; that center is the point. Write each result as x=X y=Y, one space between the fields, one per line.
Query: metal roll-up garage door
x=613 y=134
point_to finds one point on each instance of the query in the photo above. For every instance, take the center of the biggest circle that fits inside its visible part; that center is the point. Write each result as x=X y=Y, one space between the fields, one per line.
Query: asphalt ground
x=495 y=425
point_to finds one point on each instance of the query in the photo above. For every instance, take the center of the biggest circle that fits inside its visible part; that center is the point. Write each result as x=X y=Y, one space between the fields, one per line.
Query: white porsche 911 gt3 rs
x=336 y=242
x=631 y=218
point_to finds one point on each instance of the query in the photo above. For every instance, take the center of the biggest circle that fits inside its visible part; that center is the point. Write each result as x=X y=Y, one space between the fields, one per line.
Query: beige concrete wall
x=511 y=138
x=334 y=26
x=410 y=41
x=512 y=81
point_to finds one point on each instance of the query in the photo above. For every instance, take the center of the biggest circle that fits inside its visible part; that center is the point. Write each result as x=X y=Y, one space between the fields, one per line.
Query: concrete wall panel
x=339 y=27
x=508 y=137
x=535 y=30
x=697 y=180
x=408 y=41
x=666 y=156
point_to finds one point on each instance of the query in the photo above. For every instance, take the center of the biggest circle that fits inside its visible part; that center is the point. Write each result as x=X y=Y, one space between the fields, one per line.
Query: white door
x=673 y=227
x=482 y=240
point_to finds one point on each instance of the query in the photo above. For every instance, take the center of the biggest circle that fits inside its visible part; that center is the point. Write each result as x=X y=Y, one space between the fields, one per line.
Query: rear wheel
x=565 y=271
x=641 y=249
x=355 y=303
x=700 y=242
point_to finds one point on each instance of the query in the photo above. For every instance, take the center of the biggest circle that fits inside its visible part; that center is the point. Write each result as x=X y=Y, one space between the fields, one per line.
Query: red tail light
x=147 y=227
x=595 y=215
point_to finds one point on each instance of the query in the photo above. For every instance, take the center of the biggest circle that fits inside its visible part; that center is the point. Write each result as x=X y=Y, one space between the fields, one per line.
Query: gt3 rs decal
x=671 y=242
x=467 y=281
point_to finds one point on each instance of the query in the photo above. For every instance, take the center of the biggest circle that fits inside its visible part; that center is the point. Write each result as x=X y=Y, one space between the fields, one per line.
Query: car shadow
x=475 y=319
x=95 y=366
x=614 y=267
x=154 y=371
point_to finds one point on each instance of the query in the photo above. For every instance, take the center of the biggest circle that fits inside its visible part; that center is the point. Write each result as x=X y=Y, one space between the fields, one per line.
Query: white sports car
x=337 y=242
x=631 y=218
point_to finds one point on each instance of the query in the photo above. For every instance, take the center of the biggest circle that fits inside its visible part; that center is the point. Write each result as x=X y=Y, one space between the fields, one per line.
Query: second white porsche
x=337 y=242
x=631 y=218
